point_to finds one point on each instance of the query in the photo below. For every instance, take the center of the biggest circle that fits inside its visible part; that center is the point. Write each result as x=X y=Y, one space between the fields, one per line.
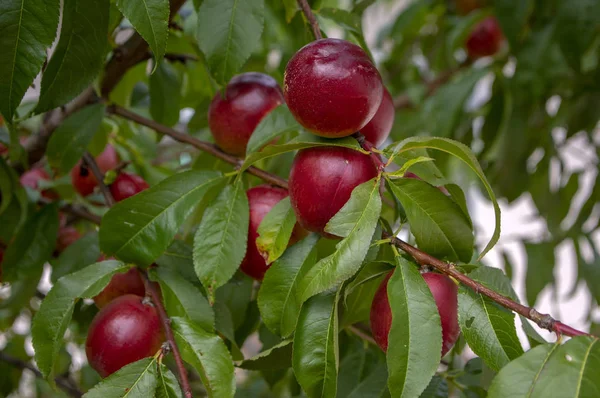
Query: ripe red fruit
x=125 y=331
x=66 y=237
x=321 y=182
x=485 y=39
x=444 y=293
x=127 y=185
x=261 y=200
x=332 y=87
x=378 y=129
x=129 y=282
x=32 y=178
x=83 y=179
x=233 y=117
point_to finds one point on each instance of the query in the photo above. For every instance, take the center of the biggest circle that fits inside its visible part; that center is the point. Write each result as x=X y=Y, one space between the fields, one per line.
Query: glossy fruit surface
x=445 y=294
x=32 y=179
x=261 y=199
x=66 y=237
x=321 y=181
x=233 y=117
x=82 y=178
x=129 y=282
x=332 y=88
x=127 y=185
x=124 y=331
x=485 y=39
x=380 y=126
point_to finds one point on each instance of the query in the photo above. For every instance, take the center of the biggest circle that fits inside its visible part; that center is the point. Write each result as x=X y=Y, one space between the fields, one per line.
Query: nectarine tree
x=283 y=198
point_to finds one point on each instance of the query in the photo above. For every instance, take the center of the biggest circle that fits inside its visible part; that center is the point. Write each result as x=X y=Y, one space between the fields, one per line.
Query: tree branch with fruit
x=317 y=197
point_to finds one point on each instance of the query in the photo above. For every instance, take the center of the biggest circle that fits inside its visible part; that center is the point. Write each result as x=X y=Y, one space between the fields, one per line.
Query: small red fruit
x=32 y=178
x=378 y=129
x=444 y=293
x=83 y=179
x=232 y=117
x=485 y=39
x=129 y=282
x=321 y=182
x=66 y=237
x=127 y=185
x=332 y=88
x=125 y=331
x=261 y=200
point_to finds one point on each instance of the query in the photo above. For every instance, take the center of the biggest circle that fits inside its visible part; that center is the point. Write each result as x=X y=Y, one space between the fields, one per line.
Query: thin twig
x=62 y=382
x=354 y=330
x=312 y=20
x=75 y=210
x=202 y=145
x=166 y=324
x=90 y=162
x=542 y=320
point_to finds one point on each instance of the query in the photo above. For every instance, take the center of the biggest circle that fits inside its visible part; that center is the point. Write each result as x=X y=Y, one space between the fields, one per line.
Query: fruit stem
x=166 y=324
x=312 y=20
x=90 y=162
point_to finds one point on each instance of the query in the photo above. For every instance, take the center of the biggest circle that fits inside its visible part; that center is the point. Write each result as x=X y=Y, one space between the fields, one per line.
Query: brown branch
x=404 y=102
x=183 y=58
x=75 y=210
x=90 y=163
x=62 y=382
x=154 y=295
x=310 y=16
x=202 y=145
x=543 y=320
x=365 y=336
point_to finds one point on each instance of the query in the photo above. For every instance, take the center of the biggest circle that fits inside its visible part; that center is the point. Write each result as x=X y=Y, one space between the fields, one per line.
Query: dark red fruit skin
x=129 y=282
x=66 y=237
x=332 y=88
x=261 y=199
x=445 y=294
x=83 y=179
x=378 y=129
x=485 y=39
x=124 y=331
x=321 y=181
x=233 y=117
x=126 y=185
x=32 y=178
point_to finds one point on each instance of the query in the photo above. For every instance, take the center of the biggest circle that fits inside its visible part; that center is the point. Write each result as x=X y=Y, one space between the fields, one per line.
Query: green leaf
x=458 y=196
x=84 y=251
x=415 y=339
x=150 y=18
x=358 y=294
x=513 y=17
x=276 y=357
x=209 y=356
x=221 y=239
x=315 y=358
x=577 y=27
x=32 y=246
x=278 y=299
x=439 y=225
x=518 y=378
x=488 y=328
x=183 y=299
x=28 y=28
x=138 y=379
x=79 y=55
x=437 y=388
x=275 y=230
x=276 y=123
x=167 y=386
x=462 y=152
x=356 y=222
x=140 y=228
x=228 y=32
x=350 y=21
x=305 y=140
x=165 y=94
x=540 y=268
x=51 y=321
x=374 y=386
x=70 y=140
